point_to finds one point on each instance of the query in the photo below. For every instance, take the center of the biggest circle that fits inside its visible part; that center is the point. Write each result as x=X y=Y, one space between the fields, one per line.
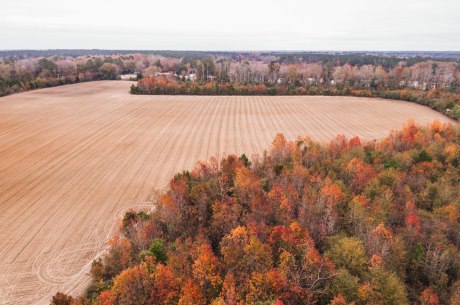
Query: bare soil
x=74 y=158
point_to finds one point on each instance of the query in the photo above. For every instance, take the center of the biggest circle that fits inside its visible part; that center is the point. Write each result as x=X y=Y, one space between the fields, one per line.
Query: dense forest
x=303 y=223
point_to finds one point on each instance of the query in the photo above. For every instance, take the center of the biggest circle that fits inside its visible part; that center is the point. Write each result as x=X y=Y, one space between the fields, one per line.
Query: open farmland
x=74 y=158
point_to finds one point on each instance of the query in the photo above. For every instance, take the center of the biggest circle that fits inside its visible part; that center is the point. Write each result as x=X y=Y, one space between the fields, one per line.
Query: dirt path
x=73 y=158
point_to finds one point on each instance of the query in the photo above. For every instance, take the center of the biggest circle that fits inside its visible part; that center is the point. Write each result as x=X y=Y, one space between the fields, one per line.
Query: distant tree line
x=33 y=73
x=435 y=83
x=17 y=75
x=369 y=57
x=22 y=74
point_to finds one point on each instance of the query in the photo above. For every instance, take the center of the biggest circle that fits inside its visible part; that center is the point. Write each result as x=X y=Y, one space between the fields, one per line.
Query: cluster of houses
x=168 y=75
x=172 y=75
x=128 y=77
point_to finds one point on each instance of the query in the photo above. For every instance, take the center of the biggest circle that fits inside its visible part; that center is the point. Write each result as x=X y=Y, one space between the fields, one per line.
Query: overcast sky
x=231 y=24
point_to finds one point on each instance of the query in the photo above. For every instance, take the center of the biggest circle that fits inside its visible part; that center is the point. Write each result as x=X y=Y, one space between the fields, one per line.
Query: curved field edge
x=445 y=102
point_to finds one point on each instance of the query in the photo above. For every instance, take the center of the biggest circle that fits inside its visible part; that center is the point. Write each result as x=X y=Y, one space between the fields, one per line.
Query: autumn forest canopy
x=302 y=223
